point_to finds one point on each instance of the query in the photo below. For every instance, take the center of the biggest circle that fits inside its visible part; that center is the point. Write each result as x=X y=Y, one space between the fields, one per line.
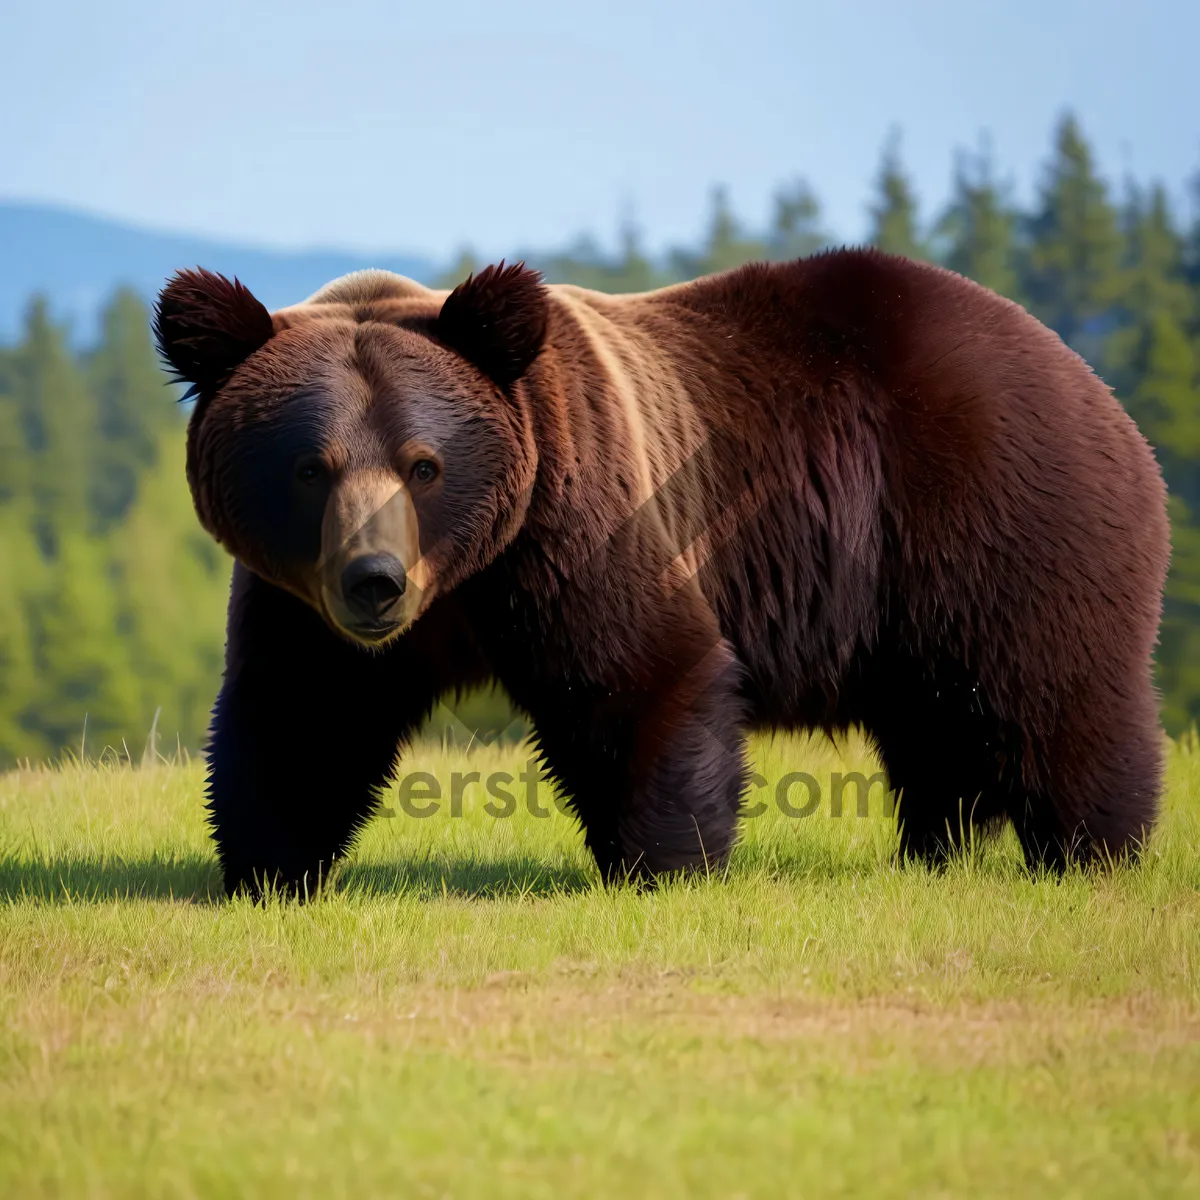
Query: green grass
x=465 y=1011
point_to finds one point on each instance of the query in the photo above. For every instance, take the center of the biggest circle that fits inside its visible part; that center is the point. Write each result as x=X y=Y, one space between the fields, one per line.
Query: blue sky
x=422 y=127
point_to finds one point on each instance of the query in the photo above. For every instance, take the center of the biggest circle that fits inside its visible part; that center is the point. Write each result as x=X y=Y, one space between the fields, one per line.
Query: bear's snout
x=371 y=585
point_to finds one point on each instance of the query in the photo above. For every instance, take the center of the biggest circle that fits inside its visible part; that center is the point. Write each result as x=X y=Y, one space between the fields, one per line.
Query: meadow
x=465 y=1010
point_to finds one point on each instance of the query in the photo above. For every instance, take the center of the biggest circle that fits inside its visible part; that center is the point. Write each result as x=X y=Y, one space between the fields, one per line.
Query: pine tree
x=894 y=219
x=725 y=245
x=171 y=582
x=1165 y=401
x=20 y=577
x=633 y=271
x=1192 y=253
x=57 y=419
x=467 y=263
x=22 y=581
x=722 y=249
x=1151 y=358
x=1178 y=655
x=1152 y=362
x=1074 y=275
x=14 y=459
x=978 y=229
x=83 y=669
x=1156 y=270
x=1156 y=309
x=796 y=230
x=134 y=408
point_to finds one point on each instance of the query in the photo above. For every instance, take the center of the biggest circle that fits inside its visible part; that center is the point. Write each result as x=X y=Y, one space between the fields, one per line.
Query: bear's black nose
x=372 y=584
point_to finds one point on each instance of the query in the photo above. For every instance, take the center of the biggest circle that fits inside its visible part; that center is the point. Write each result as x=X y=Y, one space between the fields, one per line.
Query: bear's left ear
x=206 y=326
x=496 y=320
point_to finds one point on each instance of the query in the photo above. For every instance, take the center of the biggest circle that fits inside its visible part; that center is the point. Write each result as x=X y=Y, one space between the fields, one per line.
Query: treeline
x=112 y=599
x=111 y=596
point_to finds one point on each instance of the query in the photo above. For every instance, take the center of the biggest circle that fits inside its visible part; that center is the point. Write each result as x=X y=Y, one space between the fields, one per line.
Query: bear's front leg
x=305 y=729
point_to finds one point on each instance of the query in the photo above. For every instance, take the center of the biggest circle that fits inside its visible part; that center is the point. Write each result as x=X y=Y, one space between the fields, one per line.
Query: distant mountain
x=78 y=260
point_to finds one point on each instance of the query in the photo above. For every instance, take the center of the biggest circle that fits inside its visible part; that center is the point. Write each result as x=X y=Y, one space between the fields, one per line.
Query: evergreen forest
x=112 y=599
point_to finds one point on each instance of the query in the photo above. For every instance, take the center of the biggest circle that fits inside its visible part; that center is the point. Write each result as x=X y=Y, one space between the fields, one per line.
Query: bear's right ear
x=206 y=326
x=496 y=320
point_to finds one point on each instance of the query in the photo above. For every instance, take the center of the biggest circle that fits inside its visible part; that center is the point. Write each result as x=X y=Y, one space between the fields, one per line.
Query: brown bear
x=852 y=489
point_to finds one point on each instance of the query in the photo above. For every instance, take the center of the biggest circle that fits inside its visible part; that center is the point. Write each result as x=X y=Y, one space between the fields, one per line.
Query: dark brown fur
x=851 y=489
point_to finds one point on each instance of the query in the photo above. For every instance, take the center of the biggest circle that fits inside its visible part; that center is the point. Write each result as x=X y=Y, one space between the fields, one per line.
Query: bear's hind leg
x=941 y=801
x=942 y=751
x=1104 y=767
x=1041 y=835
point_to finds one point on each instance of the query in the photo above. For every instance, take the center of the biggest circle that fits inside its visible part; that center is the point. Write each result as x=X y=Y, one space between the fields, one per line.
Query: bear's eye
x=309 y=471
x=424 y=470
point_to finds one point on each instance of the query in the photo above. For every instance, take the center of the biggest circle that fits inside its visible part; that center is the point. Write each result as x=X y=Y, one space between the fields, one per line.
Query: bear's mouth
x=373 y=632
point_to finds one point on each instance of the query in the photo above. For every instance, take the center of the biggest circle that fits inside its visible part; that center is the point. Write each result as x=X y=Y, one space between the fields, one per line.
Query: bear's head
x=368 y=449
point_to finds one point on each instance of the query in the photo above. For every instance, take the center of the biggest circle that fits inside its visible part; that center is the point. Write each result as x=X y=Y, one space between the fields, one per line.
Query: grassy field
x=467 y=1012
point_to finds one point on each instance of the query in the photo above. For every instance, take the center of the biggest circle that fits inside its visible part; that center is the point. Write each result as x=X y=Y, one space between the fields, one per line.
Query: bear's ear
x=206 y=326
x=496 y=320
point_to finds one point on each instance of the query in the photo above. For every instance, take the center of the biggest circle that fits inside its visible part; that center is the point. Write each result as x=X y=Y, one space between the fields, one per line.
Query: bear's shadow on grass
x=467 y=879
x=96 y=879
x=196 y=879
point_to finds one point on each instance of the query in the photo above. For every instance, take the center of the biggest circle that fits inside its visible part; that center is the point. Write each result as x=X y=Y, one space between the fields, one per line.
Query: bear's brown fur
x=850 y=489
